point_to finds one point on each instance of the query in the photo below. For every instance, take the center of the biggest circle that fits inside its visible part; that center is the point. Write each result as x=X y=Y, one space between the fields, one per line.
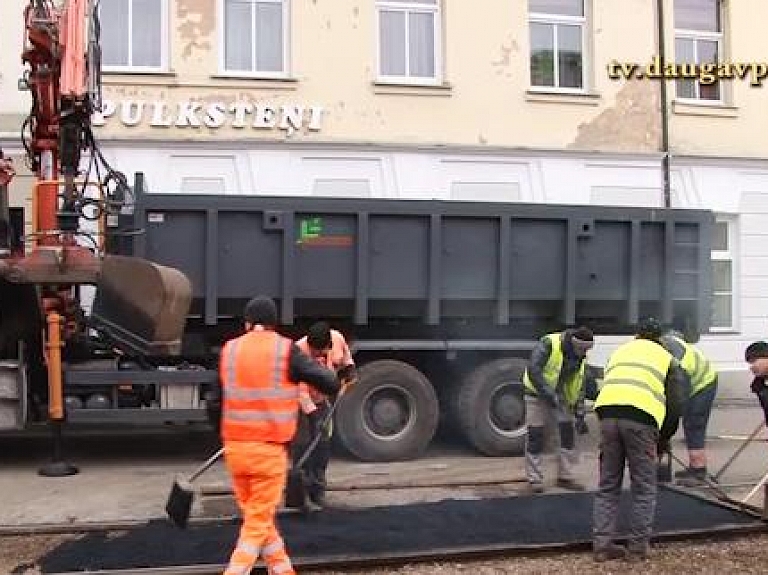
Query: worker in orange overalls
x=329 y=348
x=260 y=372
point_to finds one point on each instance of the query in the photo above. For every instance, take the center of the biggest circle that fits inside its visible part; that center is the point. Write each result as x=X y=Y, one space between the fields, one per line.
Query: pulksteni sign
x=196 y=114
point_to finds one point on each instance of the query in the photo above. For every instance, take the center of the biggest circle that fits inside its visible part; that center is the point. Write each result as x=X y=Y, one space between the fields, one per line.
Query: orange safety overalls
x=259 y=417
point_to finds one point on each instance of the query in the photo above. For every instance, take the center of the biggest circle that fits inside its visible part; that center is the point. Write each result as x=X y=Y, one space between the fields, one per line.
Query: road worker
x=756 y=355
x=639 y=405
x=260 y=372
x=703 y=382
x=329 y=348
x=554 y=394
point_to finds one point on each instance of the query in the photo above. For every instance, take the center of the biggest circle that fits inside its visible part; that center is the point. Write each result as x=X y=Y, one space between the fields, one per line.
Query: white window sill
x=704 y=108
x=407 y=88
x=236 y=80
x=129 y=71
x=562 y=97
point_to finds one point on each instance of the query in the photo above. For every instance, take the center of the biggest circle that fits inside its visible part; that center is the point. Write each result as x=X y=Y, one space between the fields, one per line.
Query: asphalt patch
x=450 y=524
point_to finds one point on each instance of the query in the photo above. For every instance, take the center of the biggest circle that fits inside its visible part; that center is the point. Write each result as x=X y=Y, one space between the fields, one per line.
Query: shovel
x=179 y=502
x=295 y=488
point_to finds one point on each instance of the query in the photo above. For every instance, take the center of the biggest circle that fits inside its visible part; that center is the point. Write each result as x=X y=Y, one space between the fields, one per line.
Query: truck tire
x=391 y=414
x=489 y=409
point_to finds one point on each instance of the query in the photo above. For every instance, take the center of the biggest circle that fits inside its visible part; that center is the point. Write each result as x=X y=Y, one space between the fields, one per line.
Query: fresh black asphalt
x=546 y=519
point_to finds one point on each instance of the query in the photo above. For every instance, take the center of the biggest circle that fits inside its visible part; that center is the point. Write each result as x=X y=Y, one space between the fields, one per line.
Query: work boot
x=570 y=484
x=610 y=552
x=536 y=487
x=310 y=507
x=696 y=478
x=691 y=472
x=638 y=553
x=318 y=498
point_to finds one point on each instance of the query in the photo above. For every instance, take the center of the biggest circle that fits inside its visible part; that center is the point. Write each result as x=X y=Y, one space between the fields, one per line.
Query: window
x=133 y=35
x=409 y=40
x=723 y=273
x=255 y=37
x=698 y=40
x=557 y=29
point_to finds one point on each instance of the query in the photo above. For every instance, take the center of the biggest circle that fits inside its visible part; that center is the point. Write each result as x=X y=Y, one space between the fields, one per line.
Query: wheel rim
x=505 y=411
x=388 y=412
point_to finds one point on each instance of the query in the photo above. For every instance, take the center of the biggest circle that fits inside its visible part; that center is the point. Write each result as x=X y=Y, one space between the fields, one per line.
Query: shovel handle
x=207 y=465
x=323 y=426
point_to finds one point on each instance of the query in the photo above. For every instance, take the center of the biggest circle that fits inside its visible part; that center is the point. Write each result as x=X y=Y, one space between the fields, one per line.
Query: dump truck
x=441 y=301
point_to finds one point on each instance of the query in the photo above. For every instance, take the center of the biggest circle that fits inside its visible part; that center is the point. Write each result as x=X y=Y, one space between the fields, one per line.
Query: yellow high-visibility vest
x=635 y=376
x=697 y=366
x=572 y=387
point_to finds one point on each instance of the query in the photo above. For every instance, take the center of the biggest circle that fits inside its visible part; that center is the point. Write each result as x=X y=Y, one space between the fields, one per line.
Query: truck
x=442 y=301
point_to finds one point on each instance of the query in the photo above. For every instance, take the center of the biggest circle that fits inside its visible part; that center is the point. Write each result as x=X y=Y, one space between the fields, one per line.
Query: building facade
x=520 y=101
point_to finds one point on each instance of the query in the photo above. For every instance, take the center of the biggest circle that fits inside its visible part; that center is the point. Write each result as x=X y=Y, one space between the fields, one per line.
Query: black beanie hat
x=650 y=328
x=755 y=351
x=583 y=334
x=261 y=310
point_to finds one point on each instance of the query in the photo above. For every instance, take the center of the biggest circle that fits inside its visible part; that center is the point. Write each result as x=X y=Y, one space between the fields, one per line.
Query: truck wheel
x=489 y=407
x=390 y=414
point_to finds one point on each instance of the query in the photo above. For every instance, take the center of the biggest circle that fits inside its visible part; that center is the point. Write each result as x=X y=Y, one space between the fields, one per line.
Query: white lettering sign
x=194 y=114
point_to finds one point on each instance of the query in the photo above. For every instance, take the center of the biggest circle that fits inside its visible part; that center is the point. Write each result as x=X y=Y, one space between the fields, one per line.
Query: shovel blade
x=179 y=505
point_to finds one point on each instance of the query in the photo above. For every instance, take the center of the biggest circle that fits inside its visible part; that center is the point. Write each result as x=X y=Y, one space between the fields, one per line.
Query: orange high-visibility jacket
x=339 y=356
x=260 y=402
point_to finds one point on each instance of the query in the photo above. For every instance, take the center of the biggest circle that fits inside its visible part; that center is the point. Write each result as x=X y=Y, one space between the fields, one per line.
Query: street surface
x=128 y=477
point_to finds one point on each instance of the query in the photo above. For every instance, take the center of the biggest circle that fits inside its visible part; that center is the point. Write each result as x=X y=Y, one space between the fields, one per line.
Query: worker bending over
x=703 y=383
x=639 y=405
x=554 y=393
x=756 y=355
x=260 y=372
x=329 y=348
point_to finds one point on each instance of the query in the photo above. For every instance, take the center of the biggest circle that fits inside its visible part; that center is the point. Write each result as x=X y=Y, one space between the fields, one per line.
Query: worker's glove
x=662 y=447
x=581 y=426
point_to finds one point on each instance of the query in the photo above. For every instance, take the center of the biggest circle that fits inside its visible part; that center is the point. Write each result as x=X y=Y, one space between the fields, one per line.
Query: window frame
x=165 y=33
x=586 y=61
x=407 y=8
x=731 y=254
x=266 y=75
x=705 y=36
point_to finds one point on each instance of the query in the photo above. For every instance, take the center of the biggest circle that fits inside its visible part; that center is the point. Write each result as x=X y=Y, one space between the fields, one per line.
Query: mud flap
x=141 y=306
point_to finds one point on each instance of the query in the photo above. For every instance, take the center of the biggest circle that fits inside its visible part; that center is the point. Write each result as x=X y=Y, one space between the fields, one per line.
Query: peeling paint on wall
x=196 y=25
x=632 y=124
x=504 y=61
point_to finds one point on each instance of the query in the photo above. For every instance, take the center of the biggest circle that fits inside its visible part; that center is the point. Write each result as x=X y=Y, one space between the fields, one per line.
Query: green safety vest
x=635 y=376
x=698 y=367
x=572 y=387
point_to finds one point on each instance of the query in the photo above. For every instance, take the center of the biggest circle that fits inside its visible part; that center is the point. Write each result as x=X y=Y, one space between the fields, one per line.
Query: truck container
x=441 y=301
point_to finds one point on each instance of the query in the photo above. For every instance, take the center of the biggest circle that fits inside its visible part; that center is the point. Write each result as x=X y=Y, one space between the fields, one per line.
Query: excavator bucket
x=141 y=306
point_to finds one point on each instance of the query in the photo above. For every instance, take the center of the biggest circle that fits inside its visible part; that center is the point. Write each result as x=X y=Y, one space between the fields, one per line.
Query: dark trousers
x=622 y=442
x=314 y=468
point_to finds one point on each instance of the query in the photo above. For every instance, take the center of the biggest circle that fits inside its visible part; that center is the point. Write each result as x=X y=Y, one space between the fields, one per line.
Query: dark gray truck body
x=442 y=301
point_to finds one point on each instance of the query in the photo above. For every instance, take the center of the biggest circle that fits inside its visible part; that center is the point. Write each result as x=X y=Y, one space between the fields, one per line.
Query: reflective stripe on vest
x=260 y=402
x=697 y=366
x=551 y=372
x=635 y=376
